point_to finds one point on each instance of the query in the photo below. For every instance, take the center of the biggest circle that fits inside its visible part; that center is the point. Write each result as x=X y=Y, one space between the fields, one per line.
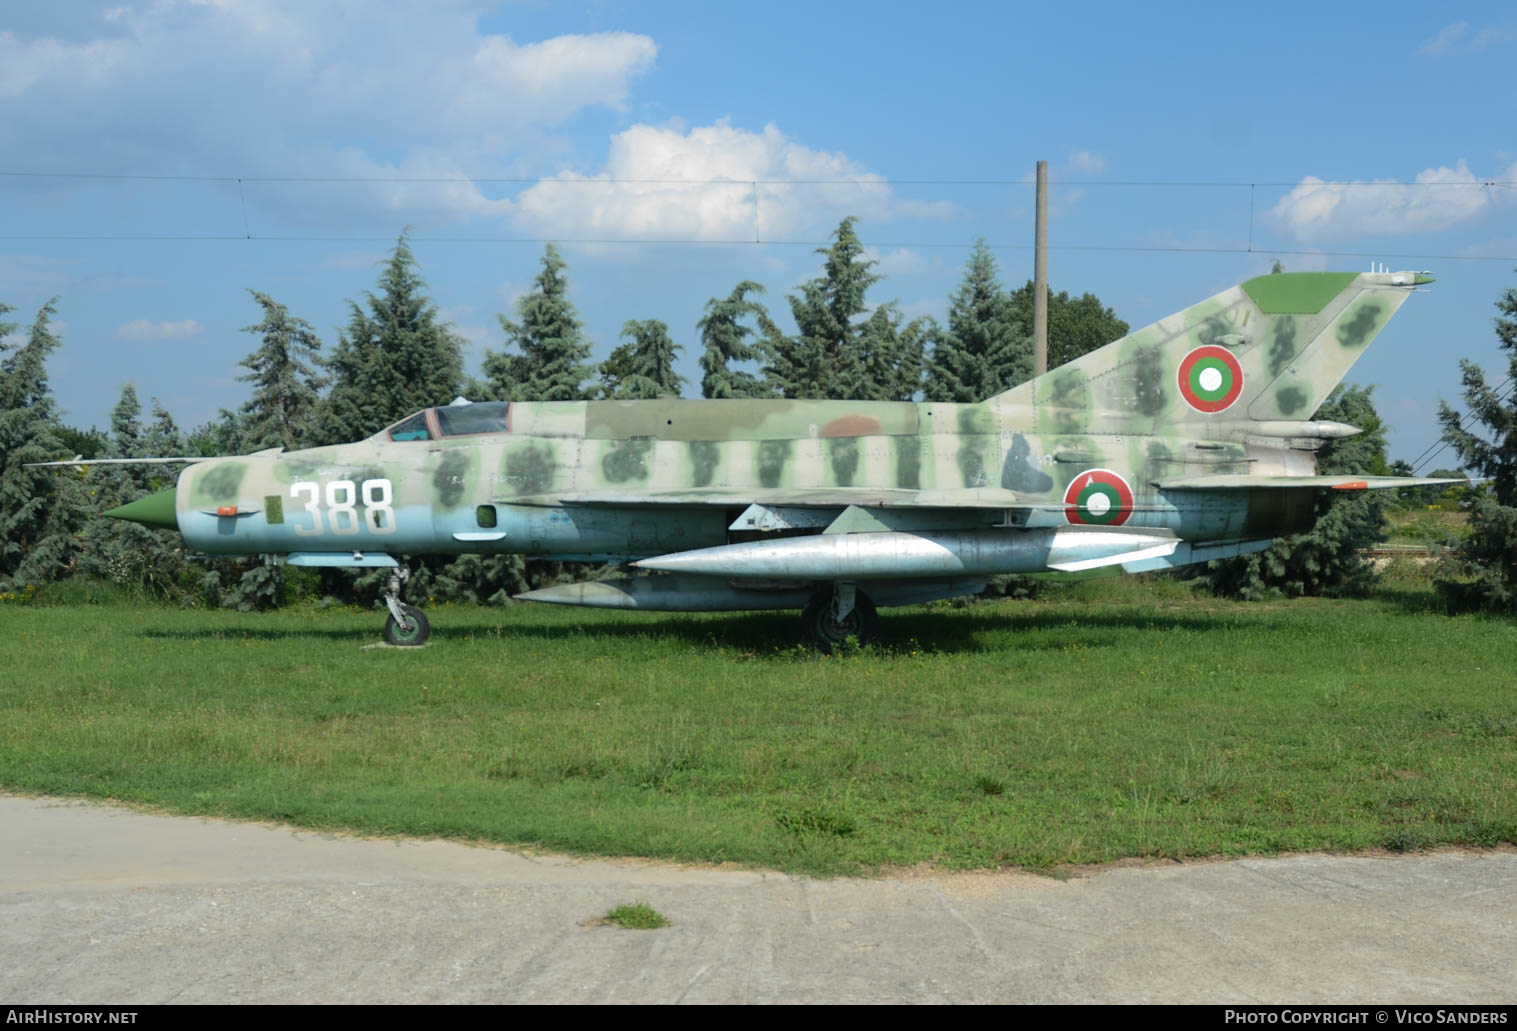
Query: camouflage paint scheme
x=1161 y=474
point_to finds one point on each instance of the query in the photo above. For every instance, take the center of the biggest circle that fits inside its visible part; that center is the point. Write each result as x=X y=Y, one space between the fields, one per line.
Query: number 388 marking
x=342 y=507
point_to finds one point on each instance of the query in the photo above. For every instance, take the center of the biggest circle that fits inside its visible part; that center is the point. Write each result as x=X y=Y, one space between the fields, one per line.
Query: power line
x=1442 y=444
x=690 y=242
x=748 y=181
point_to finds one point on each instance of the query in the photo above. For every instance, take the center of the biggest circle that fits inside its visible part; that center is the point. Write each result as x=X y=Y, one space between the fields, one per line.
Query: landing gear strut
x=406 y=627
x=837 y=612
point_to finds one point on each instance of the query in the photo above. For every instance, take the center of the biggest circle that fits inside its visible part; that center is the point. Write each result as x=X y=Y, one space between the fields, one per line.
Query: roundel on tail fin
x=1210 y=379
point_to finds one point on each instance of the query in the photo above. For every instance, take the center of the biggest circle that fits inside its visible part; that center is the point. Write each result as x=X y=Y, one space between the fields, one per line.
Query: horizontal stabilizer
x=1243 y=481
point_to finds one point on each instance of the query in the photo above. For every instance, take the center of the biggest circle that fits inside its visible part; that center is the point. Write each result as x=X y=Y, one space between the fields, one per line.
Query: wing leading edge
x=1244 y=481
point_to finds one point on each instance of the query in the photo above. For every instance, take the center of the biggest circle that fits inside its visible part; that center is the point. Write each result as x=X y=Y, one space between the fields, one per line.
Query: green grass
x=636 y=916
x=1427 y=527
x=1110 y=719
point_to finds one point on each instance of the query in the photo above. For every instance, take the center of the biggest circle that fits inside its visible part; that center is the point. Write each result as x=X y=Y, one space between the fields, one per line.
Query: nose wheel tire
x=408 y=637
x=825 y=632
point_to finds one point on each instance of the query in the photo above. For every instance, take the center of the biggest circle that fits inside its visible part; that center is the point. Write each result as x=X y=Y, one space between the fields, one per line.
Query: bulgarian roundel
x=1098 y=497
x=1210 y=378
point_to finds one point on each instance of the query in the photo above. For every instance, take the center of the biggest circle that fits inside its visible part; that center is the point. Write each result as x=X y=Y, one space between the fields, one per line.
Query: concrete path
x=106 y=905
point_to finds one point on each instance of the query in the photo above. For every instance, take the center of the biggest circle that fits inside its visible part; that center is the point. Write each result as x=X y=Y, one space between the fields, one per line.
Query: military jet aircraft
x=1185 y=441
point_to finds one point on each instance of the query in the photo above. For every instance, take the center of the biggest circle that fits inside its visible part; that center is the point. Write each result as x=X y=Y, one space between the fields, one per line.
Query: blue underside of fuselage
x=610 y=534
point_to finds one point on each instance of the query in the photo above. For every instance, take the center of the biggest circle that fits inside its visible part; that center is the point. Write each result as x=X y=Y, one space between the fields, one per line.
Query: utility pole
x=1040 y=277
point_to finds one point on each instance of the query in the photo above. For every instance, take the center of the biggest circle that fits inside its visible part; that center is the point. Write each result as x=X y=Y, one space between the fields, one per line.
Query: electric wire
x=241 y=182
x=735 y=181
x=1442 y=444
x=691 y=242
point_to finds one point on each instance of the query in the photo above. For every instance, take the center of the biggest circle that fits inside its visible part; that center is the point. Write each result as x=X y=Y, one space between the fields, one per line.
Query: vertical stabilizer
x=1269 y=349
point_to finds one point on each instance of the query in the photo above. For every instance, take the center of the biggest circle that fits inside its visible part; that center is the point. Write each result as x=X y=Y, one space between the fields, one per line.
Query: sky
x=159 y=159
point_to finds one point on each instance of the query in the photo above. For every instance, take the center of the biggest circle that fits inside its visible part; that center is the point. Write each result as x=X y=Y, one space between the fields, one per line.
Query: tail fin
x=1269 y=349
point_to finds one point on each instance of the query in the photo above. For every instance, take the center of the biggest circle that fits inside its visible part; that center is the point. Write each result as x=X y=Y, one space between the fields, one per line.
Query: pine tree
x=1484 y=571
x=892 y=355
x=1325 y=560
x=222 y=435
x=724 y=340
x=282 y=411
x=642 y=368
x=394 y=357
x=162 y=436
x=126 y=425
x=132 y=556
x=823 y=359
x=552 y=363
x=982 y=352
x=39 y=508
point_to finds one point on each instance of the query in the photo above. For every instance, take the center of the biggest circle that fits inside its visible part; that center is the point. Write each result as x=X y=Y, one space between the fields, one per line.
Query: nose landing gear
x=406 y=626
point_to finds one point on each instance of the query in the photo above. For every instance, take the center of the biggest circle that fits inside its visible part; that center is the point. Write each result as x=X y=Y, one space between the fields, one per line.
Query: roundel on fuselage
x=1098 y=497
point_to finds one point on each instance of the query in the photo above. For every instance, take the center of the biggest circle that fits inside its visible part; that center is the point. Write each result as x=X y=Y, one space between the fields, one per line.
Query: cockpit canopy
x=455 y=420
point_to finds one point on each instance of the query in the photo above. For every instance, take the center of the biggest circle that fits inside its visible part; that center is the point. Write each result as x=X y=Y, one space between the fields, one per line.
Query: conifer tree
x=823 y=359
x=282 y=411
x=125 y=483
x=981 y=352
x=394 y=357
x=1484 y=571
x=643 y=367
x=162 y=436
x=553 y=353
x=724 y=340
x=126 y=424
x=1325 y=560
x=39 y=508
x=892 y=355
x=132 y=556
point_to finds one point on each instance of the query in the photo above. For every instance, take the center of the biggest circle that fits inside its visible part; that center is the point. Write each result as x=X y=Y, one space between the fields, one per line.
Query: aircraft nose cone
x=153 y=510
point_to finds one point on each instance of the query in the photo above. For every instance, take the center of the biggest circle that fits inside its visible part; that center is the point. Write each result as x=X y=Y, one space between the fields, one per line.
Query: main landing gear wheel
x=825 y=631
x=414 y=632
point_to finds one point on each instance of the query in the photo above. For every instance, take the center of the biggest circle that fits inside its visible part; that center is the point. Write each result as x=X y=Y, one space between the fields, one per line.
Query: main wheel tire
x=824 y=632
x=418 y=633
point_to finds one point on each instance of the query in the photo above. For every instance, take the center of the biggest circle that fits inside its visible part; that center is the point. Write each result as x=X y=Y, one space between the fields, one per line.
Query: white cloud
x=141 y=330
x=663 y=183
x=1443 y=42
x=1455 y=38
x=1499 y=248
x=1438 y=198
x=1087 y=162
x=34 y=274
x=353 y=259
x=411 y=88
x=902 y=261
x=1062 y=198
x=1491 y=36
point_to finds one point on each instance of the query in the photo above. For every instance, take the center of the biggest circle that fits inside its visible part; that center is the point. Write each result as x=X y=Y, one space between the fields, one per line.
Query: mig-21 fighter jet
x=1186 y=441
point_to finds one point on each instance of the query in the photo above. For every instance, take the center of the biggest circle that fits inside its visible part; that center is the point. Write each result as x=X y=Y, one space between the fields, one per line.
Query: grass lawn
x=1109 y=719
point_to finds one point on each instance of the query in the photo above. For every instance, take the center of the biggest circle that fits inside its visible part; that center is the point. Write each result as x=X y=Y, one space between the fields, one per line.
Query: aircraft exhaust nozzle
x=153 y=510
